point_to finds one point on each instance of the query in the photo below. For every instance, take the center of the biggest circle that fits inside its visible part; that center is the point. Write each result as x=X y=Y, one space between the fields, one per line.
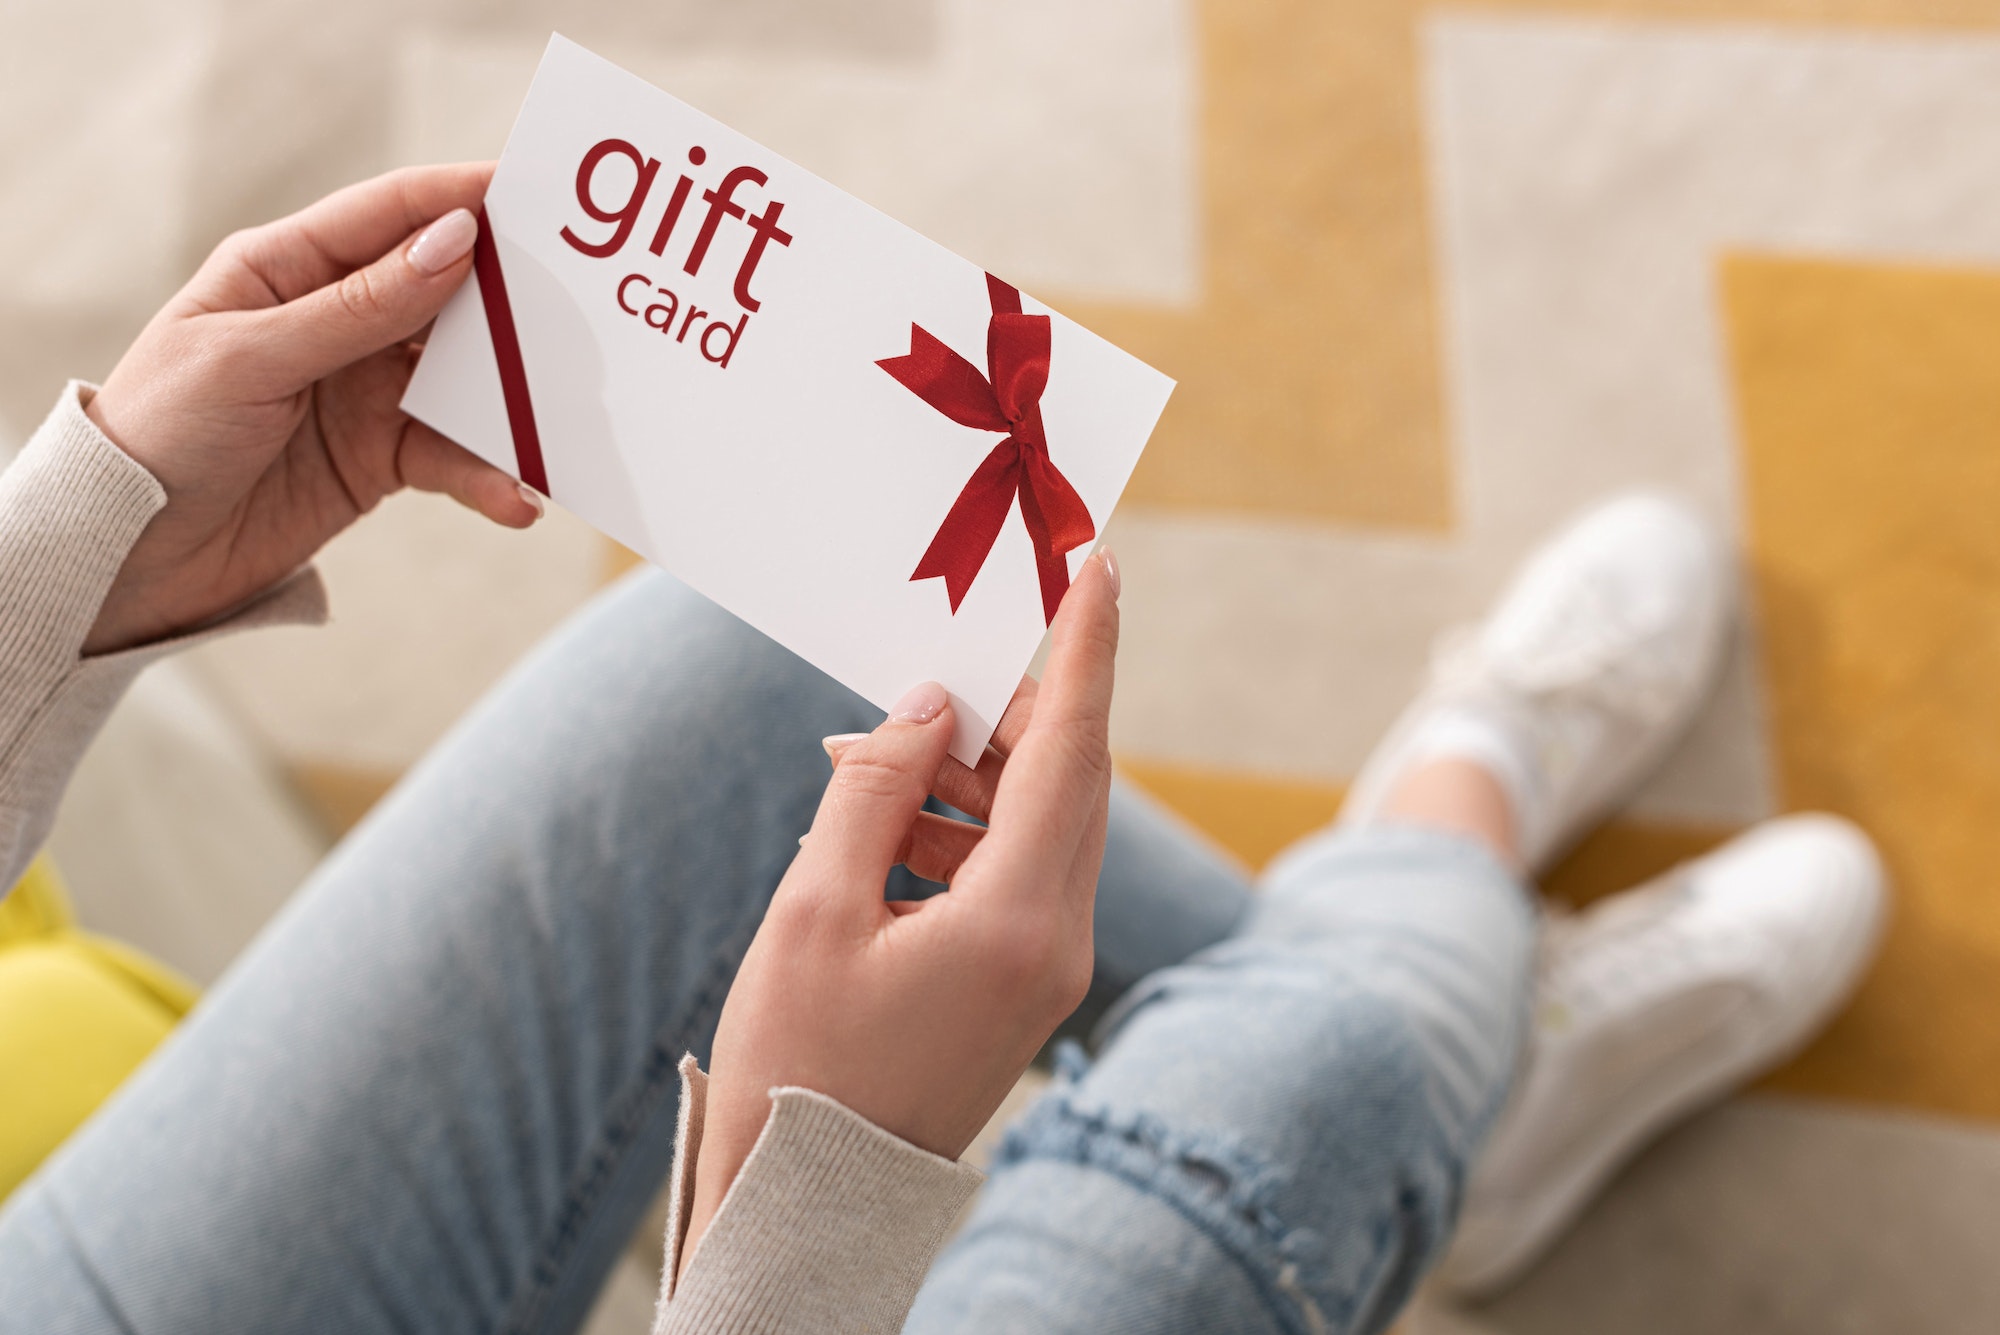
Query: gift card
x=886 y=459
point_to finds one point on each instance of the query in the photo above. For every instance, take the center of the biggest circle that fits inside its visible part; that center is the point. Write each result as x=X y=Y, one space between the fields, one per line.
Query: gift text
x=616 y=169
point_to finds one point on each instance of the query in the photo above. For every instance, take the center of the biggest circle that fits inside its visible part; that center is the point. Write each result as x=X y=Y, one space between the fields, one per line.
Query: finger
x=938 y=845
x=968 y=789
x=1056 y=785
x=878 y=786
x=1014 y=719
x=972 y=790
x=369 y=309
x=430 y=462
x=350 y=228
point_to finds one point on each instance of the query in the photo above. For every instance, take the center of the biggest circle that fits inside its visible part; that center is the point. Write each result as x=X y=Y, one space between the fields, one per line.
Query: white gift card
x=861 y=444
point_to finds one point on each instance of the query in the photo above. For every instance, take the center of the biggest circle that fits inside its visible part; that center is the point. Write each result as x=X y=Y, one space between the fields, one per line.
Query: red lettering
x=766 y=229
x=626 y=214
x=676 y=202
x=719 y=203
x=629 y=280
x=734 y=335
x=665 y=310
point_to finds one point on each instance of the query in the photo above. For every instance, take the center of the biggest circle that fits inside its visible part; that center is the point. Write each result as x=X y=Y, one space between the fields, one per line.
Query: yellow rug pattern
x=1870 y=401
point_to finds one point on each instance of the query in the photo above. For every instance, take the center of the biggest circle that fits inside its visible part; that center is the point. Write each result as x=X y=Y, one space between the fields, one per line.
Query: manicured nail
x=534 y=498
x=445 y=242
x=921 y=705
x=1111 y=571
x=839 y=742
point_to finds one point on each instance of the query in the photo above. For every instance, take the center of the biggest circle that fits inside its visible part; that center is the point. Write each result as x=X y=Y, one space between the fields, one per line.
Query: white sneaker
x=1655 y=1002
x=1580 y=681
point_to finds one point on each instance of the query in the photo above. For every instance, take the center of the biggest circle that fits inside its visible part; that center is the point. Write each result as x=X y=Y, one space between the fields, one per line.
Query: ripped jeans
x=1274 y=1134
x=438 y=1092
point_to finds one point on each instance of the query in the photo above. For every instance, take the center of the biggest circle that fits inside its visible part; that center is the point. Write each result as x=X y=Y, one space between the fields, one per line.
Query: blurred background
x=1430 y=277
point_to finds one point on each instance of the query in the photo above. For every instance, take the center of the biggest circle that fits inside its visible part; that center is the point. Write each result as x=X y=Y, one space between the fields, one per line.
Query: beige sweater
x=831 y=1223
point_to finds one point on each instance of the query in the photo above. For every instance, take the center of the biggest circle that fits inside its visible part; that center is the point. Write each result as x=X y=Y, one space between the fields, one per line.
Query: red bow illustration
x=1017 y=360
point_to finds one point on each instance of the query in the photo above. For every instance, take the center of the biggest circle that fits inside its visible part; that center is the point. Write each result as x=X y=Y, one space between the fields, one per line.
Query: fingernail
x=444 y=243
x=1111 y=571
x=534 y=498
x=921 y=705
x=839 y=742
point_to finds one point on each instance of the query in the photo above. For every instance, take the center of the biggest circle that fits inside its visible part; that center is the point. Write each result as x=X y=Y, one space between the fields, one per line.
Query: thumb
x=373 y=307
x=879 y=784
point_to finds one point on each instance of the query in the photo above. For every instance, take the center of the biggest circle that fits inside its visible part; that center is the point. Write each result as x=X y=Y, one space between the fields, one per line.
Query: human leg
x=1273 y=1136
x=438 y=1092
x=1276 y=1134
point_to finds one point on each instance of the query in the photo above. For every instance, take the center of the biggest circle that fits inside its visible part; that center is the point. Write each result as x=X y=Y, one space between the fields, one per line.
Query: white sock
x=1497 y=745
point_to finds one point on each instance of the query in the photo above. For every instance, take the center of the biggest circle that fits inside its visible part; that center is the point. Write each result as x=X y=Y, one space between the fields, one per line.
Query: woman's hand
x=920 y=1016
x=263 y=398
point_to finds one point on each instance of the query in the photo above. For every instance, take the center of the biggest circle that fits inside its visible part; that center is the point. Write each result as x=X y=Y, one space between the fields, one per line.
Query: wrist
x=124 y=620
x=731 y=1127
x=103 y=406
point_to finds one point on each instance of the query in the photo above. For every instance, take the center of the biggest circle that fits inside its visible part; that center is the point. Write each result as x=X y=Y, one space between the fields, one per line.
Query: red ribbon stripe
x=507 y=353
x=1007 y=398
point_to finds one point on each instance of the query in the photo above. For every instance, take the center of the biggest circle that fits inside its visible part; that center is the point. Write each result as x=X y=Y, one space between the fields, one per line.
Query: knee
x=1312 y=1052
x=1319 y=1181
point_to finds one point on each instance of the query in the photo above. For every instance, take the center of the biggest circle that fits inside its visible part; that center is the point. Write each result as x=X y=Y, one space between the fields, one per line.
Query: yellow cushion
x=38 y=907
x=77 y=1014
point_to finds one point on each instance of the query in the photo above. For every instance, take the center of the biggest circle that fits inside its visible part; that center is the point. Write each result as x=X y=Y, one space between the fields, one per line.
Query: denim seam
x=630 y=1110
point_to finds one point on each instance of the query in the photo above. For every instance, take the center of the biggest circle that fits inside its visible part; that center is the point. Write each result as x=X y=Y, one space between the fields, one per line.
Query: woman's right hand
x=920 y=1016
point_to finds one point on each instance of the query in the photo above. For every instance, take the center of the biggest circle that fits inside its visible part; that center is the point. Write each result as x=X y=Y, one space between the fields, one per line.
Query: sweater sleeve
x=71 y=506
x=830 y=1225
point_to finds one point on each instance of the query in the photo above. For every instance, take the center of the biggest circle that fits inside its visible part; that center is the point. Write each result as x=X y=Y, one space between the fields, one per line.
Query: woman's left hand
x=264 y=398
x=920 y=1016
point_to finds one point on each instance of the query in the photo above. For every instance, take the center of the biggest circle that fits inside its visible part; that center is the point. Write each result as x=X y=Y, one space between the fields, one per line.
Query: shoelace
x=1631 y=951
x=1586 y=654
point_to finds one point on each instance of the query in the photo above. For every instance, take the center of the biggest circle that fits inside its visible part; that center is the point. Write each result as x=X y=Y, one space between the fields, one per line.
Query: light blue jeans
x=439 y=1091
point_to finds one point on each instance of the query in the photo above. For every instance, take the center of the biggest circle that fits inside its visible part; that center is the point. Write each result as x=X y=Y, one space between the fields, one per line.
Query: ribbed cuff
x=831 y=1224
x=71 y=506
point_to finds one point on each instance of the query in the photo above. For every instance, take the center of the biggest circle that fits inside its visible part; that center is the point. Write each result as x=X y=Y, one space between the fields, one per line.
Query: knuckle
x=1037 y=969
x=866 y=779
x=802 y=915
x=795 y=914
x=361 y=295
x=239 y=244
x=1072 y=981
x=1024 y=957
